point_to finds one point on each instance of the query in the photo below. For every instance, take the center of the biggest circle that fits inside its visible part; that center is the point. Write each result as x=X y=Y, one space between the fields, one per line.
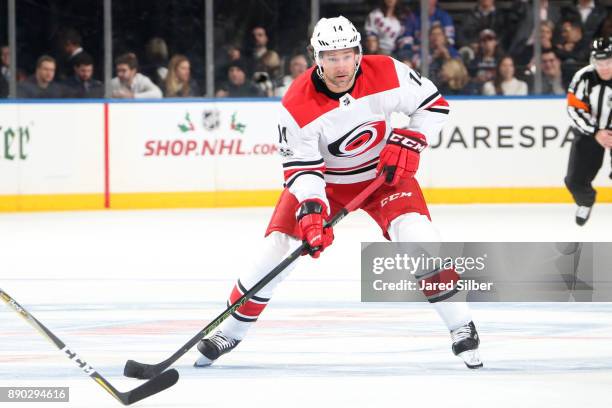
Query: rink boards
x=223 y=153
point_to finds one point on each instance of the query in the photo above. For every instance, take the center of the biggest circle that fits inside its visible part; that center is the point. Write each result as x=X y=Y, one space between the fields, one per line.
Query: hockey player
x=335 y=138
x=589 y=104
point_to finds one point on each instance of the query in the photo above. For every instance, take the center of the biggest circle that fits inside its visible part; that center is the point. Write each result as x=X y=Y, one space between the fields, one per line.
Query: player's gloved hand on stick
x=311 y=217
x=400 y=157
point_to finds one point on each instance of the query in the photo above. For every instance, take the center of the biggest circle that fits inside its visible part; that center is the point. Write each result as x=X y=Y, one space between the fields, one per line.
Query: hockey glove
x=400 y=157
x=311 y=217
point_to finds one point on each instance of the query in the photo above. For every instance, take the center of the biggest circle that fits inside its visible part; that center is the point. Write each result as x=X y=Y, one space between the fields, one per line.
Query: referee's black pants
x=586 y=158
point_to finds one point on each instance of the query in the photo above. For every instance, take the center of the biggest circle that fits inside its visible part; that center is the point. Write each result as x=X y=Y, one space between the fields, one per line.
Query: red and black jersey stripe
x=439 y=106
x=435 y=103
x=295 y=169
x=361 y=168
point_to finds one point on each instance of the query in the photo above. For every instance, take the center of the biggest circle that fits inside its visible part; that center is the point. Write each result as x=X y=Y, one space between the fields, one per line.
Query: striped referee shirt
x=589 y=101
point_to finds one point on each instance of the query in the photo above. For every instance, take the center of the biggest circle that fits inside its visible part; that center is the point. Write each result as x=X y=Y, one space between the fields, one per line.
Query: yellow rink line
x=542 y=195
x=264 y=198
x=51 y=202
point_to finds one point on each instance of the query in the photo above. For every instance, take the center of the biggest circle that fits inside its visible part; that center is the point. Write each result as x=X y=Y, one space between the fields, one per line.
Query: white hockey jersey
x=337 y=138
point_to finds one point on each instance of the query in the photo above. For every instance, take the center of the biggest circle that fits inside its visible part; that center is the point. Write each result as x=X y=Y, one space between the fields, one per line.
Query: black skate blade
x=474 y=367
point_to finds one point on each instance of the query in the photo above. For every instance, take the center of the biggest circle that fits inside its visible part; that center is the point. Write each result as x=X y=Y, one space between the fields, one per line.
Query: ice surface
x=116 y=285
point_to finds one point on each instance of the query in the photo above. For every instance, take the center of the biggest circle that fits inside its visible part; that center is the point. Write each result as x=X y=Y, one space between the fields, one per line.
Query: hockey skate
x=582 y=214
x=465 y=345
x=214 y=347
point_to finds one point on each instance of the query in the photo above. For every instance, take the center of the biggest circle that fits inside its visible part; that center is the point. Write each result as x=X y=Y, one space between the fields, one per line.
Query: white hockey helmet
x=335 y=33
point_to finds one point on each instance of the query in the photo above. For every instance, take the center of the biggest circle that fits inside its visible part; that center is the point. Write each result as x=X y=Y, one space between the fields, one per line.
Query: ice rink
x=118 y=285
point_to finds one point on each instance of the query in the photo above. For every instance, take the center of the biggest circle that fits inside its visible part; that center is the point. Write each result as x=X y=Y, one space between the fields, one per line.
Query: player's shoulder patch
x=303 y=102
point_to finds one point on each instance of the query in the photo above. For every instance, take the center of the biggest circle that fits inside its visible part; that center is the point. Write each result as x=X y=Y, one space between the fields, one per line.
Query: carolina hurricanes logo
x=358 y=140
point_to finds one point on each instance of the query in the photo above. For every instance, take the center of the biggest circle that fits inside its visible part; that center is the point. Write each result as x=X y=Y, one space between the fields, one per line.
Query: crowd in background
x=490 y=51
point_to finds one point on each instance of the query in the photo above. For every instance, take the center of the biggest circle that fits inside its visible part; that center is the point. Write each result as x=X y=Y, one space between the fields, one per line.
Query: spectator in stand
x=440 y=51
x=484 y=15
x=590 y=14
x=505 y=83
x=385 y=23
x=156 y=61
x=437 y=16
x=573 y=51
x=297 y=66
x=233 y=53
x=129 y=83
x=237 y=85
x=524 y=35
x=268 y=72
x=71 y=45
x=372 y=45
x=552 y=79
x=41 y=84
x=179 y=83
x=82 y=83
x=260 y=44
x=453 y=78
x=483 y=66
x=405 y=46
x=547 y=29
x=5 y=61
x=573 y=48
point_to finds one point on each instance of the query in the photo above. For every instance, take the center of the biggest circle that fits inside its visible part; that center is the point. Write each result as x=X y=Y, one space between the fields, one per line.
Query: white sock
x=454 y=314
x=415 y=227
x=275 y=248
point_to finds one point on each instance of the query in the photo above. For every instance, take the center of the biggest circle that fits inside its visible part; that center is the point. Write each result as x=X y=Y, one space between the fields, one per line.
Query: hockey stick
x=165 y=380
x=135 y=369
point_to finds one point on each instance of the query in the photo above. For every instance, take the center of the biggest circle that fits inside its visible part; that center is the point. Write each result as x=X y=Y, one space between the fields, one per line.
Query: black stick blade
x=157 y=384
x=142 y=371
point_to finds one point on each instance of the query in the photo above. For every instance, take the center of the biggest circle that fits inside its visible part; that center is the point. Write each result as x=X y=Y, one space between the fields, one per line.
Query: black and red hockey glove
x=311 y=217
x=400 y=157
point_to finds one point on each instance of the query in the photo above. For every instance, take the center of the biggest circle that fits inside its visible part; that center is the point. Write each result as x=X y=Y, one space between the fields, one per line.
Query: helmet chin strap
x=320 y=72
x=357 y=65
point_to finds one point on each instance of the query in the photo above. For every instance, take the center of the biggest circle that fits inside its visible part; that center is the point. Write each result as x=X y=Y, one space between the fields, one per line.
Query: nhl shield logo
x=211 y=119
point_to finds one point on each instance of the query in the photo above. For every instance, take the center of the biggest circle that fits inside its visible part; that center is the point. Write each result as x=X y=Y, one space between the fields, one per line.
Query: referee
x=589 y=104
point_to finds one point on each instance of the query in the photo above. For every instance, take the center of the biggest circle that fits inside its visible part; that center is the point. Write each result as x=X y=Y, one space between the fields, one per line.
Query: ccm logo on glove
x=400 y=157
x=414 y=144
